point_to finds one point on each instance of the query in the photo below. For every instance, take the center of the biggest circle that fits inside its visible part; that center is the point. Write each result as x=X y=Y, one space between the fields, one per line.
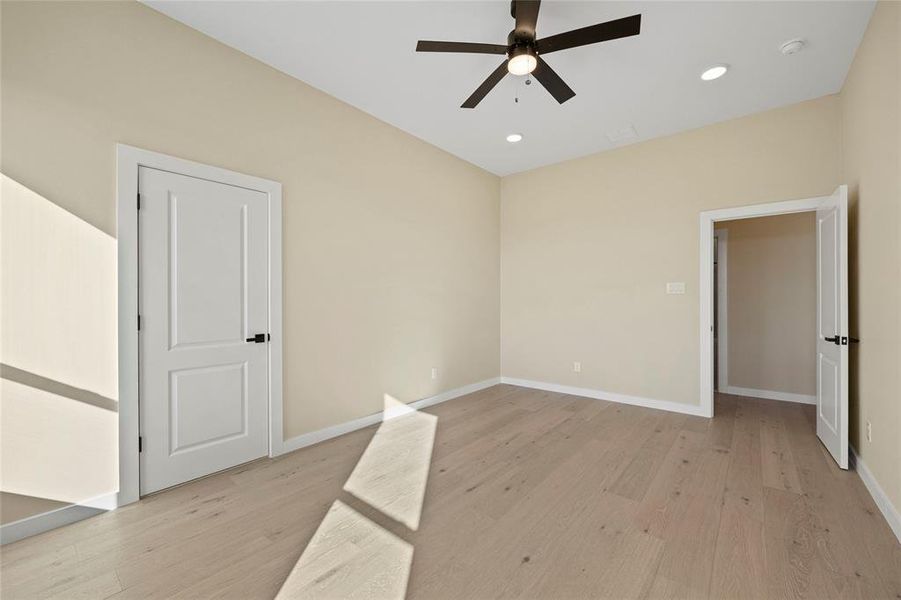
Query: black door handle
x=259 y=338
x=834 y=340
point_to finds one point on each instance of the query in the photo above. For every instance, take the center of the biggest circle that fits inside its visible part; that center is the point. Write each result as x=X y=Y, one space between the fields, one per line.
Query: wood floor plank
x=691 y=536
x=659 y=507
x=722 y=428
x=779 y=471
x=739 y=569
x=529 y=494
x=636 y=477
x=608 y=559
x=791 y=538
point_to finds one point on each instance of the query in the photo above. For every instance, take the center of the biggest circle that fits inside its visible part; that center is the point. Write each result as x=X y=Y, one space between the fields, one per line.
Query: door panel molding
x=828 y=373
x=174 y=446
x=128 y=161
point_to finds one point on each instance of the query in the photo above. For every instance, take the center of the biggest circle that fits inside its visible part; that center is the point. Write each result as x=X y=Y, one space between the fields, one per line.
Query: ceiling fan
x=524 y=50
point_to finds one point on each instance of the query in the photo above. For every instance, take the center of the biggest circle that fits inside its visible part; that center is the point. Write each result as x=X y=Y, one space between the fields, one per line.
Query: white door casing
x=832 y=326
x=203 y=290
x=721 y=320
x=832 y=313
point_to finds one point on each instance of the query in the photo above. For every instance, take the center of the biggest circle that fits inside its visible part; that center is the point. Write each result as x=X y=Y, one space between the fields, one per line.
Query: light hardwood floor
x=529 y=494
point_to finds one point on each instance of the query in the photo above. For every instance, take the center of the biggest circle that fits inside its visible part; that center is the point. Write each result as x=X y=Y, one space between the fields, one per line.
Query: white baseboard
x=888 y=510
x=769 y=394
x=678 y=407
x=33 y=525
x=314 y=437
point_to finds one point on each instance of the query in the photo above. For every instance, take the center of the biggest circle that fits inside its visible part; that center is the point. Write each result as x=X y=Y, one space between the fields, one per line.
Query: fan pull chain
x=526 y=81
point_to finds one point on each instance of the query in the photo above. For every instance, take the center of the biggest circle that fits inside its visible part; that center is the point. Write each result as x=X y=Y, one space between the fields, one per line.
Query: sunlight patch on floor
x=393 y=471
x=349 y=556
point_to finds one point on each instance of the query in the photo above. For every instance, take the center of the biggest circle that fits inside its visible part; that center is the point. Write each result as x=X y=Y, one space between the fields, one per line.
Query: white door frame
x=722 y=309
x=128 y=161
x=708 y=219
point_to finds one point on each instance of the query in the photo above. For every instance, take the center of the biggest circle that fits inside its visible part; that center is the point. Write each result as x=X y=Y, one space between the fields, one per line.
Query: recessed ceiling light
x=714 y=72
x=514 y=137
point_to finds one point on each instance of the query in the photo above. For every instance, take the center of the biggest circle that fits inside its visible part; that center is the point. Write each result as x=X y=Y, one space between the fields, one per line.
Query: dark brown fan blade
x=552 y=82
x=470 y=47
x=526 y=13
x=486 y=86
x=592 y=34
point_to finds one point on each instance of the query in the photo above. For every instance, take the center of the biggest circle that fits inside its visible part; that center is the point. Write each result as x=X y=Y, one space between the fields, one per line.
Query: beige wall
x=587 y=246
x=391 y=245
x=58 y=378
x=871 y=130
x=771 y=294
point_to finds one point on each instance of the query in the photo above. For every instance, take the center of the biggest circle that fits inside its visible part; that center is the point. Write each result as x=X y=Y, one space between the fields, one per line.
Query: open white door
x=832 y=326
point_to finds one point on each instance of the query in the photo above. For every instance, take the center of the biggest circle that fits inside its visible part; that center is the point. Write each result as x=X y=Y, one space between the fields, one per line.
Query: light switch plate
x=675 y=287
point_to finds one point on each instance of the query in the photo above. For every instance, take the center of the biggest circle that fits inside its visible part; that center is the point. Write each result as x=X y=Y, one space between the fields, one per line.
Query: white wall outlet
x=675 y=287
x=577 y=367
x=434 y=373
x=869 y=431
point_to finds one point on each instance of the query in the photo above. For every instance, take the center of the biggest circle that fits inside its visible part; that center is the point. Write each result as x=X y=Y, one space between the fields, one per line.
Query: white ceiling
x=363 y=53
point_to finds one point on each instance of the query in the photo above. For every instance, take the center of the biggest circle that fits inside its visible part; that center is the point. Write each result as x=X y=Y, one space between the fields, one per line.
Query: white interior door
x=832 y=326
x=204 y=290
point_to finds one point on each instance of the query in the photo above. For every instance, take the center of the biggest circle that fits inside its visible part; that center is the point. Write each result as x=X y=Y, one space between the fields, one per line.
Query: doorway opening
x=829 y=335
x=765 y=307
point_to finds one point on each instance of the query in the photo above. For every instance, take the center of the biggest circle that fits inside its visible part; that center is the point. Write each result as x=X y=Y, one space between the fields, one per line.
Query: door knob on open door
x=259 y=338
x=833 y=339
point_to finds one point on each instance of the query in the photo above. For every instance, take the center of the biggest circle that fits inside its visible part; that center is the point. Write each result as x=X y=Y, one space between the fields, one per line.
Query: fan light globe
x=522 y=64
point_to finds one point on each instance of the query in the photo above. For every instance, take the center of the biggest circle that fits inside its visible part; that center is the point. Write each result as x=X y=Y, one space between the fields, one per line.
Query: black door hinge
x=139 y=322
x=139 y=200
x=140 y=444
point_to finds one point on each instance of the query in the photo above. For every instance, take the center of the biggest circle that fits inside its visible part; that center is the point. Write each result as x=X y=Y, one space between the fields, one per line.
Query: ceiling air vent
x=623 y=134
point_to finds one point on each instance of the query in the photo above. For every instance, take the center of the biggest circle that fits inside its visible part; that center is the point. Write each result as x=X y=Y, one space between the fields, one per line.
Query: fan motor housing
x=519 y=49
x=515 y=43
